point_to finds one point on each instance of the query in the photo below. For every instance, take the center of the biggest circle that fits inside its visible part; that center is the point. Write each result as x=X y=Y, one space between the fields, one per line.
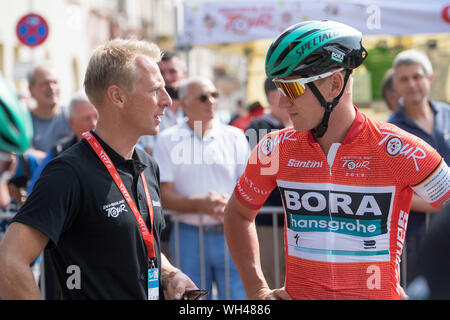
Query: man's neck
x=200 y=127
x=422 y=114
x=117 y=139
x=417 y=111
x=46 y=112
x=339 y=124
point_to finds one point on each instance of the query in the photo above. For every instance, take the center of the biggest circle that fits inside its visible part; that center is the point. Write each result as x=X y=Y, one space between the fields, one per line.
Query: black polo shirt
x=91 y=228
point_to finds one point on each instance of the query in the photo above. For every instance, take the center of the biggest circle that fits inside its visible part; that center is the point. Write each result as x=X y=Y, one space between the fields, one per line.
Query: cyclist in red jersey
x=346 y=181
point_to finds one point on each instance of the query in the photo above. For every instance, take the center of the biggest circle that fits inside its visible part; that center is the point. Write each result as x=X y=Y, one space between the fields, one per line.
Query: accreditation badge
x=153 y=284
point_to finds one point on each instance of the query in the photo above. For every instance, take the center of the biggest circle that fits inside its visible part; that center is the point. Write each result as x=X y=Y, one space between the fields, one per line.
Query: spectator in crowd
x=27 y=165
x=238 y=112
x=275 y=119
x=425 y=118
x=173 y=71
x=95 y=204
x=15 y=138
x=7 y=168
x=388 y=92
x=201 y=160
x=49 y=119
x=255 y=110
x=82 y=117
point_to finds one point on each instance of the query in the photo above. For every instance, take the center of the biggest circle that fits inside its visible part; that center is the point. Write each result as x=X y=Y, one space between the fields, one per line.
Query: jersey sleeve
x=53 y=204
x=417 y=165
x=435 y=188
x=259 y=177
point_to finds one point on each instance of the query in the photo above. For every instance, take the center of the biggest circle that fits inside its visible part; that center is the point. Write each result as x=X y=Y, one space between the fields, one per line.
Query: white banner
x=208 y=22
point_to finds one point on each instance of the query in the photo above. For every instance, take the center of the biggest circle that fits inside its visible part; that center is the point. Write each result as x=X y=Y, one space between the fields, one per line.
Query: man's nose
x=284 y=102
x=166 y=100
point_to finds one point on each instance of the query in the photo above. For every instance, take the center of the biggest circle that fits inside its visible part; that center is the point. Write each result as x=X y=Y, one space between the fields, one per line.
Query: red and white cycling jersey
x=345 y=213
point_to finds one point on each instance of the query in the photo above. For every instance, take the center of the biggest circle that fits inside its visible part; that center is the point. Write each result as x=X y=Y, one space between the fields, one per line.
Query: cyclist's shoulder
x=381 y=131
x=402 y=151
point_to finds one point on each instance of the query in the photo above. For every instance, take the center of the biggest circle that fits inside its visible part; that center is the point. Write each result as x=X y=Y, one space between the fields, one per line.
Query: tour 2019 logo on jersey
x=355 y=211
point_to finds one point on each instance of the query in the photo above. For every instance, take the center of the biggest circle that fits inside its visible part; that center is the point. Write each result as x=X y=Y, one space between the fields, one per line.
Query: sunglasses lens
x=204 y=97
x=290 y=89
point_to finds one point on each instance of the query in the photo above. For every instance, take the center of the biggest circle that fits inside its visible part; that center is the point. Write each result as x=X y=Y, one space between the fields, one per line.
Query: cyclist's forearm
x=243 y=244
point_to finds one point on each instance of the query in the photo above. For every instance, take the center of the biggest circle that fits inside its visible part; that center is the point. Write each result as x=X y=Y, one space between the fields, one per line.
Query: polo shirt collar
x=402 y=116
x=213 y=133
x=399 y=117
x=116 y=158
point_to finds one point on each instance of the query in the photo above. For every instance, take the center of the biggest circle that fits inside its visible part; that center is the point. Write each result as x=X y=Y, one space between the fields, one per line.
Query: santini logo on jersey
x=305 y=164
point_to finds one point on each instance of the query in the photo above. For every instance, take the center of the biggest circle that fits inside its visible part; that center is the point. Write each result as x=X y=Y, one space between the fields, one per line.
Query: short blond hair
x=113 y=64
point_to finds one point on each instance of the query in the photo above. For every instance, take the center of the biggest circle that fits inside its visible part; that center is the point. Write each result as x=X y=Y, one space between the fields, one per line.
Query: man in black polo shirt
x=96 y=207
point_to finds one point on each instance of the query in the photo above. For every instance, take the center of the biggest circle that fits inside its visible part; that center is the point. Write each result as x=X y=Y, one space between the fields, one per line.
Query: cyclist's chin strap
x=320 y=130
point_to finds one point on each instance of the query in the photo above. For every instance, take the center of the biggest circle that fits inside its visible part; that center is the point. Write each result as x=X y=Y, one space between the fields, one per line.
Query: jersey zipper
x=332 y=152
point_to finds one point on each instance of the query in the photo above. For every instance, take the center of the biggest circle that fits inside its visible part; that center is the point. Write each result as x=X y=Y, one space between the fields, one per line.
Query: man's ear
x=116 y=95
x=31 y=90
x=336 y=84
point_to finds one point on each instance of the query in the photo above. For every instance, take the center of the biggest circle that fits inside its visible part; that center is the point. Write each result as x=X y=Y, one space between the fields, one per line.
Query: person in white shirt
x=201 y=160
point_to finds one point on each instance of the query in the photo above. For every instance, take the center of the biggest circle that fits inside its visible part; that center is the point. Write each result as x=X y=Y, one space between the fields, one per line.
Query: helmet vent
x=307 y=34
x=282 y=56
x=312 y=58
x=279 y=72
x=6 y=140
x=8 y=114
x=277 y=42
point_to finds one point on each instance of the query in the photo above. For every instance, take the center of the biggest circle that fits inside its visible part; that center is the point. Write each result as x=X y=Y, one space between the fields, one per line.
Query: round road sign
x=32 y=30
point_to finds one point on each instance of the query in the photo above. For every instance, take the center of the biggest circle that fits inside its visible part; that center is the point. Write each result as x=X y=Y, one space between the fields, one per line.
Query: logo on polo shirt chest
x=114 y=209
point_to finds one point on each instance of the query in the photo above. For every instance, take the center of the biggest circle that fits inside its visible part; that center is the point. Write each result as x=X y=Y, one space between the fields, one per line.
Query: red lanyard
x=146 y=234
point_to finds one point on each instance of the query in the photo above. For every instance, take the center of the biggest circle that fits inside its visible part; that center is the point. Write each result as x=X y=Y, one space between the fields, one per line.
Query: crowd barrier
x=6 y=217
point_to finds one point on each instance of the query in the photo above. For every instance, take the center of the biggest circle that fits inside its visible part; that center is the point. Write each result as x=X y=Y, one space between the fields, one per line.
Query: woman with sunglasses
x=346 y=181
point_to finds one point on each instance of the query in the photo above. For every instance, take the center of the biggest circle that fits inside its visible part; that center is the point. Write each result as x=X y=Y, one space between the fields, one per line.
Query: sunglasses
x=204 y=97
x=296 y=87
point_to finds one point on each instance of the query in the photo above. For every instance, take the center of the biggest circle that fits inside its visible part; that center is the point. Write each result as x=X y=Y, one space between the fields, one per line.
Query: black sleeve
x=54 y=201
